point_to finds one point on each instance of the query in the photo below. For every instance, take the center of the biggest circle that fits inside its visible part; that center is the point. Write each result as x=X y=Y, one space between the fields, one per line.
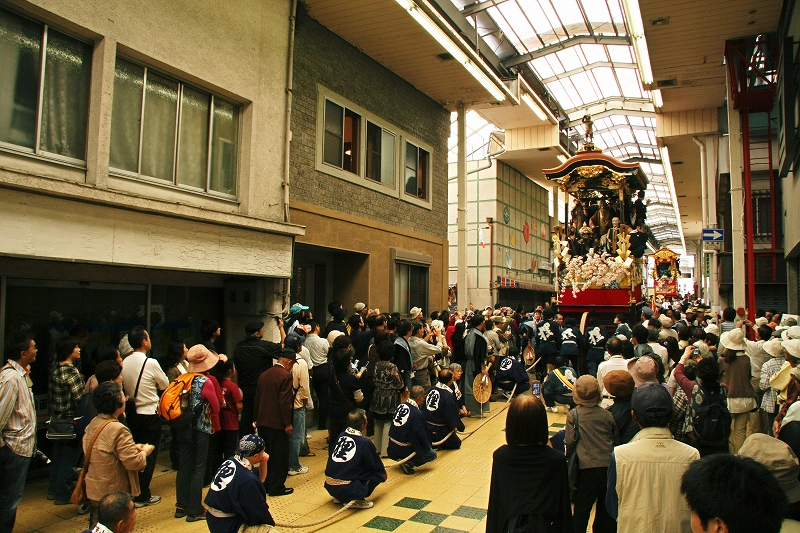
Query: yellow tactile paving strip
x=457 y=482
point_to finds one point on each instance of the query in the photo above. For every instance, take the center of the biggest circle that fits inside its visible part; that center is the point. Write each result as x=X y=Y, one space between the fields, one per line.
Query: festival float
x=598 y=251
x=665 y=274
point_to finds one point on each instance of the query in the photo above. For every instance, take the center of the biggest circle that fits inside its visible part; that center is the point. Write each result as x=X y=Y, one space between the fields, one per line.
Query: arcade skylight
x=587 y=60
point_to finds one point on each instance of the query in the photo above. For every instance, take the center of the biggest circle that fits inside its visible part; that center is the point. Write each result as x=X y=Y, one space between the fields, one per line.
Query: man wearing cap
x=354 y=467
x=361 y=309
x=415 y=314
x=409 y=432
x=273 y=414
x=252 y=357
x=646 y=315
x=666 y=328
x=643 y=369
x=236 y=495
x=632 y=497
x=295 y=314
x=441 y=413
x=302 y=398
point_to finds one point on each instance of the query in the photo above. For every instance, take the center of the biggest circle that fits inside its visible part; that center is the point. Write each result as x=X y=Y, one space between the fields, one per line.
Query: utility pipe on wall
x=704 y=209
x=288 y=133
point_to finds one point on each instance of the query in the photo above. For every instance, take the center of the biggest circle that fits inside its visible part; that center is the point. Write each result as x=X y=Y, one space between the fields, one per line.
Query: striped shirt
x=17 y=411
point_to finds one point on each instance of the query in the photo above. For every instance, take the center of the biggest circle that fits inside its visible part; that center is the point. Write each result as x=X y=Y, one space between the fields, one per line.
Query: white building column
x=461 y=167
x=737 y=202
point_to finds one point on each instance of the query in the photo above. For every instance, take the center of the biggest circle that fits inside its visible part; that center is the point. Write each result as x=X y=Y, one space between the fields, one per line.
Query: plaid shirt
x=678 y=423
x=769 y=369
x=64 y=391
x=17 y=413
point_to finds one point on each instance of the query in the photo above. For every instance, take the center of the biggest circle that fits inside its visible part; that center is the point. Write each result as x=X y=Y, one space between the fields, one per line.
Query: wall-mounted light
x=534 y=107
x=633 y=18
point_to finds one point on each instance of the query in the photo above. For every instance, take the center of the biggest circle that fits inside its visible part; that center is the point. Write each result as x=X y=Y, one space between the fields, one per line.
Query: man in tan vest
x=644 y=477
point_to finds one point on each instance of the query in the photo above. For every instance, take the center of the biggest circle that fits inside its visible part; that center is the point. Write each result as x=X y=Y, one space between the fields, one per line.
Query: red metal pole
x=772 y=199
x=748 y=216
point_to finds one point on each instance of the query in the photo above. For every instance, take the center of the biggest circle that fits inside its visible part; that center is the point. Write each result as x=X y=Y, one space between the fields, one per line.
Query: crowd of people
x=672 y=395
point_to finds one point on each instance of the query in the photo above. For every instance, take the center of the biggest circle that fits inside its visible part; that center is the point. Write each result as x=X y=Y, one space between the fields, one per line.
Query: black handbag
x=573 y=467
x=61 y=428
x=130 y=404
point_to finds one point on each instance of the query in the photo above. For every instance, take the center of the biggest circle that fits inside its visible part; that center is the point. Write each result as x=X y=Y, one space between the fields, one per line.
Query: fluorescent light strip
x=667 y=164
x=657 y=100
x=443 y=39
x=636 y=28
x=535 y=108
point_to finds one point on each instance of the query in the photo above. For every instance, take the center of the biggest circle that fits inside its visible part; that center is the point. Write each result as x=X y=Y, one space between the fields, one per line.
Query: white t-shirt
x=153 y=380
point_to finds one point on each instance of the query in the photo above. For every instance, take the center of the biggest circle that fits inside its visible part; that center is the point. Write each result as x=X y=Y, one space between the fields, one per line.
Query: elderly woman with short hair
x=115 y=460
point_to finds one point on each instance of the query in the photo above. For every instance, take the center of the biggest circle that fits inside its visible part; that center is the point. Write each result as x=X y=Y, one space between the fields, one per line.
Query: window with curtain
x=417 y=161
x=410 y=287
x=169 y=131
x=44 y=88
x=342 y=133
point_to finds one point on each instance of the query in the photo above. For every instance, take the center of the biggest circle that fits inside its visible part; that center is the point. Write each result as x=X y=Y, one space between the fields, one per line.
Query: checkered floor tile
x=460 y=520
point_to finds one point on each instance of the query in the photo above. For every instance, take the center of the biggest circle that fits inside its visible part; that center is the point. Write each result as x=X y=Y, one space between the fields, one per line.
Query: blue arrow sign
x=713 y=235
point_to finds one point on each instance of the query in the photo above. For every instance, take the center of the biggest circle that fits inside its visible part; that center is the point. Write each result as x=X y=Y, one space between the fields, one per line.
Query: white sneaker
x=553 y=409
x=362 y=504
x=303 y=470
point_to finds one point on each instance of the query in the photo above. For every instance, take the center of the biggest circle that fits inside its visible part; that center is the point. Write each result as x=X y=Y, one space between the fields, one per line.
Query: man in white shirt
x=615 y=362
x=666 y=328
x=320 y=372
x=652 y=341
x=145 y=374
x=302 y=402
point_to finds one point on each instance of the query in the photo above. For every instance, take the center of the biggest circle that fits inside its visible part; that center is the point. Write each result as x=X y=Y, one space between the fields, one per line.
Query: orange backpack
x=175 y=405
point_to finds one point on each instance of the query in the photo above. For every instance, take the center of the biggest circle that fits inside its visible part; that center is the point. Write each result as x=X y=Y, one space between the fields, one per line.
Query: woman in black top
x=529 y=490
x=344 y=389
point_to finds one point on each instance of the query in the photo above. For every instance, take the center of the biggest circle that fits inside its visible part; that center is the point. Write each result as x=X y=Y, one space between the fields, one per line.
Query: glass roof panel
x=582 y=76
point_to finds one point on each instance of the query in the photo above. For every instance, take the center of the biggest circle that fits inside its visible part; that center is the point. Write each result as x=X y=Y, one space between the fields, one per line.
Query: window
x=355 y=145
x=342 y=128
x=44 y=88
x=762 y=214
x=166 y=130
x=416 y=172
x=410 y=286
x=380 y=154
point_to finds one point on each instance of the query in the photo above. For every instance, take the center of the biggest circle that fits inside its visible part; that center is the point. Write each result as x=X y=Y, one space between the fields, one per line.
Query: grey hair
x=455 y=366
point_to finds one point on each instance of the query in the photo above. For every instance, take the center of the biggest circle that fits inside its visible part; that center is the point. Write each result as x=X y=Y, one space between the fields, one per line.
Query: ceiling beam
x=477 y=7
x=563 y=45
x=615 y=105
x=586 y=68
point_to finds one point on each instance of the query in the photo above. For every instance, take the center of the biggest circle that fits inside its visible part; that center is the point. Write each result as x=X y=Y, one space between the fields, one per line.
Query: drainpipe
x=492 y=298
x=704 y=209
x=288 y=132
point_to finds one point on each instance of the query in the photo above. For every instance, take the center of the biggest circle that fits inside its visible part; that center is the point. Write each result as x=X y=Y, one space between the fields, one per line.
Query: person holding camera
x=425 y=344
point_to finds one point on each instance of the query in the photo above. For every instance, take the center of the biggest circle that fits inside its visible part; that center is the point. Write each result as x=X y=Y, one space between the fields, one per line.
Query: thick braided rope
x=318 y=522
x=405 y=460
x=466 y=434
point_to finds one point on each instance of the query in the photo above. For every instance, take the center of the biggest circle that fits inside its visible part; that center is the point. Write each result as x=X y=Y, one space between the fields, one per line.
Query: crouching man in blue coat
x=409 y=433
x=441 y=413
x=237 y=495
x=354 y=466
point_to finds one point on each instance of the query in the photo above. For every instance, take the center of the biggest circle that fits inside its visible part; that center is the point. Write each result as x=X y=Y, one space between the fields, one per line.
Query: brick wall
x=322 y=57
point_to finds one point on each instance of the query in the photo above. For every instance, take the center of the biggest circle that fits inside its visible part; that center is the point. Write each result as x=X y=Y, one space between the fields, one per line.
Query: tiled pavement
x=449 y=495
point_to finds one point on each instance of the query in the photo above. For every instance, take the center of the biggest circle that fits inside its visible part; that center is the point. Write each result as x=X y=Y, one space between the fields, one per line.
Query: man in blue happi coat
x=354 y=466
x=237 y=495
x=409 y=433
x=511 y=372
x=441 y=413
x=548 y=337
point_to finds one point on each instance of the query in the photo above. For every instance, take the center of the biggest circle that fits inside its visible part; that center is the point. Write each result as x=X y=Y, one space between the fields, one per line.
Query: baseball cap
x=293 y=340
x=359 y=307
x=646 y=311
x=651 y=402
x=296 y=308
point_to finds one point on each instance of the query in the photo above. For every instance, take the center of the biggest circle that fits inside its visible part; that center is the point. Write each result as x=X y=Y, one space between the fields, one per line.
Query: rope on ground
x=318 y=522
x=466 y=434
x=407 y=459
